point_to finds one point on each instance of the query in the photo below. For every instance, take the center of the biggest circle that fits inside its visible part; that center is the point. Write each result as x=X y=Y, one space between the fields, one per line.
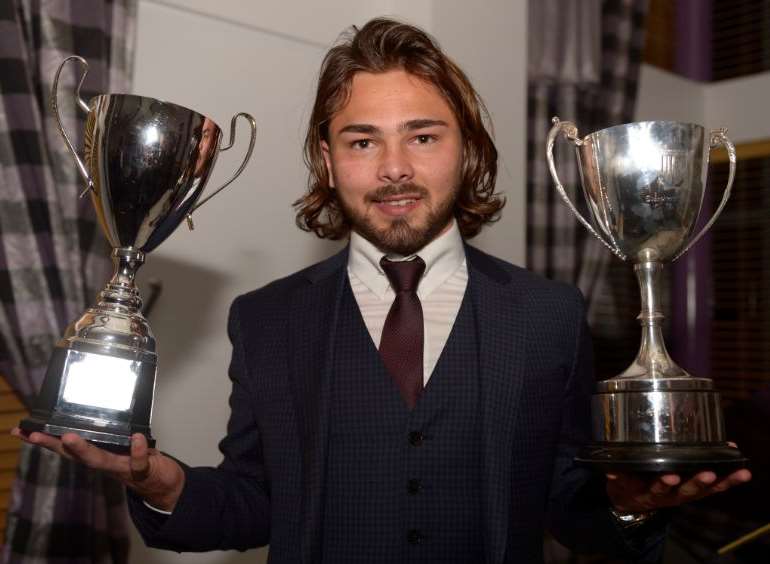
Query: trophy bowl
x=644 y=184
x=146 y=163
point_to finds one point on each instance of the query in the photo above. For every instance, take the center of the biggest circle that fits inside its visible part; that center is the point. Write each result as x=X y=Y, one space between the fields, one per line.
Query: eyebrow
x=410 y=125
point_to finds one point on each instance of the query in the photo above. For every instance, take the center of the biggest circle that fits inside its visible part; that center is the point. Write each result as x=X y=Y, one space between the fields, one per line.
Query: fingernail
x=671 y=479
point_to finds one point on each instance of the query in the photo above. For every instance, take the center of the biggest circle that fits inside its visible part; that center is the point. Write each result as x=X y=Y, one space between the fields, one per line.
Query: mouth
x=397 y=206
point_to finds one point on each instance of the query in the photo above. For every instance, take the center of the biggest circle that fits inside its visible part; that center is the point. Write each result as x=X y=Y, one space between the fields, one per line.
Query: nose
x=395 y=166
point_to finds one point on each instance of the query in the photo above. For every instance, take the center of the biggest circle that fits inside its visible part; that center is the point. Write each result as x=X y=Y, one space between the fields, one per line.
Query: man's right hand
x=155 y=477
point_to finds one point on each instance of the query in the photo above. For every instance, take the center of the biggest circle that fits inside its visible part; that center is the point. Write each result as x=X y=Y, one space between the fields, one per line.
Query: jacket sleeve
x=221 y=508
x=579 y=508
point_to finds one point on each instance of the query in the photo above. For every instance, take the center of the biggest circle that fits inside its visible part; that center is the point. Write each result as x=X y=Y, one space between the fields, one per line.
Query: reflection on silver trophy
x=644 y=185
x=146 y=165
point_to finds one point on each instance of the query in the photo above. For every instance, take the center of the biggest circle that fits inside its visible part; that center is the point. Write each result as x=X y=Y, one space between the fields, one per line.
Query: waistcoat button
x=414 y=536
x=416 y=438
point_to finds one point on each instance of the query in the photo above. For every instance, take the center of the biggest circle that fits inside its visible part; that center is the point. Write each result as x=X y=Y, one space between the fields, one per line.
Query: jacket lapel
x=313 y=320
x=501 y=319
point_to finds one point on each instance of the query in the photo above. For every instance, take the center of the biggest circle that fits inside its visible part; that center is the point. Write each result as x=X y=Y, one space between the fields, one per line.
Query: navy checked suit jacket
x=536 y=376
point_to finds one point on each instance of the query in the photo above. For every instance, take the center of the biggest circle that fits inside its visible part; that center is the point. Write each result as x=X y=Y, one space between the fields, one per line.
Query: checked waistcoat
x=401 y=485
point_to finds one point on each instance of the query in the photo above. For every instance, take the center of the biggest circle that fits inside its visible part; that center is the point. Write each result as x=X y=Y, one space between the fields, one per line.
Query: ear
x=328 y=161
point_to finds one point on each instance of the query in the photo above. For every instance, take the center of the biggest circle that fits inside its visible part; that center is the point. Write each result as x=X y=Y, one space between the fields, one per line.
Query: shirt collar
x=442 y=256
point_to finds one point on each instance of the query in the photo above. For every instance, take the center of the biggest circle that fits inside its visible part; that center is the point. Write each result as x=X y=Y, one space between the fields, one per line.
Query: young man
x=411 y=398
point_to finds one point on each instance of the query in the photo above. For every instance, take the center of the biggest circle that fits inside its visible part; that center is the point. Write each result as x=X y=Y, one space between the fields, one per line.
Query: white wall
x=741 y=105
x=262 y=57
x=738 y=104
x=666 y=96
x=488 y=39
x=316 y=23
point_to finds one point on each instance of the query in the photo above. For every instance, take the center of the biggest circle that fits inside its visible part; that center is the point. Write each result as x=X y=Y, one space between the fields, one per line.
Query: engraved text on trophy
x=673 y=171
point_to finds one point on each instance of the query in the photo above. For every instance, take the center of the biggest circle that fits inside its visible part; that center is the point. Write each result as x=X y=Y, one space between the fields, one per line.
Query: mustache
x=391 y=190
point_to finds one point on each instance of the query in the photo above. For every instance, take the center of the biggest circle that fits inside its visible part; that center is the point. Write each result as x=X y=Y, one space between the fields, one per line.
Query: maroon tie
x=402 y=336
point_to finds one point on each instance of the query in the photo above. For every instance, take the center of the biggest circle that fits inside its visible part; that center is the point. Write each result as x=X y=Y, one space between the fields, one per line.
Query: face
x=394 y=156
x=206 y=146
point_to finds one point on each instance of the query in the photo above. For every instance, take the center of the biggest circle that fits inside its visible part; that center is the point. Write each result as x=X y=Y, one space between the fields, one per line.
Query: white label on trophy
x=100 y=381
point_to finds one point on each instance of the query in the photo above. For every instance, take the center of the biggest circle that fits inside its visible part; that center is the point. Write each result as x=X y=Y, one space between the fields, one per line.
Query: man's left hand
x=630 y=493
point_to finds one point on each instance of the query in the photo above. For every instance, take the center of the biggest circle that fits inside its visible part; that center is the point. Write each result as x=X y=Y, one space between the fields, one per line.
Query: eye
x=425 y=138
x=361 y=144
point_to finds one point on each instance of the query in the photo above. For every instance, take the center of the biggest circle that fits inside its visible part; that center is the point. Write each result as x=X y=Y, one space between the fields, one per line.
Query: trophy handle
x=718 y=138
x=83 y=106
x=252 y=141
x=569 y=130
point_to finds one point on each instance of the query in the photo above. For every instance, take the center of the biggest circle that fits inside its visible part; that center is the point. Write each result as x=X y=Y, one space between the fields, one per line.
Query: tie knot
x=404 y=275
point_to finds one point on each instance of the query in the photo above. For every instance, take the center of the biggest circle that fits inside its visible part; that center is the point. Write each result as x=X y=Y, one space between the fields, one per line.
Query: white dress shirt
x=440 y=291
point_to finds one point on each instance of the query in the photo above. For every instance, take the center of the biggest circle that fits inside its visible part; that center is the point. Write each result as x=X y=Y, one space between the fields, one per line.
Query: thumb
x=140 y=458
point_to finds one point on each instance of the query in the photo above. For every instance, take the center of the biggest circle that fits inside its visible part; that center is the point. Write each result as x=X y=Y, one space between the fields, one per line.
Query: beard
x=402 y=237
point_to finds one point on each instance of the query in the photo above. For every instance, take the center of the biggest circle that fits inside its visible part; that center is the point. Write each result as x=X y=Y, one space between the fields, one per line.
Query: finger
x=46 y=441
x=658 y=492
x=19 y=434
x=671 y=479
x=625 y=481
x=735 y=479
x=664 y=484
x=140 y=458
x=92 y=456
x=741 y=476
x=697 y=485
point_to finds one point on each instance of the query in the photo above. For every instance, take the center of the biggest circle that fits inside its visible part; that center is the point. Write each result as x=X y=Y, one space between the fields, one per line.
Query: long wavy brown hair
x=380 y=46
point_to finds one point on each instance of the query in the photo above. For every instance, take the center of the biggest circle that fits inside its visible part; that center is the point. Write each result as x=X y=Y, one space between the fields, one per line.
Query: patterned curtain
x=53 y=259
x=584 y=59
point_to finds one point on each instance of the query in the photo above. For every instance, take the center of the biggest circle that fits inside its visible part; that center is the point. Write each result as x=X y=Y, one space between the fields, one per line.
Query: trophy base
x=104 y=398
x=119 y=443
x=661 y=458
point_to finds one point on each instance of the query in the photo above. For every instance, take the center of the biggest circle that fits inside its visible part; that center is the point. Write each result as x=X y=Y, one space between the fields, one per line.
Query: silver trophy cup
x=644 y=184
x=146 y=164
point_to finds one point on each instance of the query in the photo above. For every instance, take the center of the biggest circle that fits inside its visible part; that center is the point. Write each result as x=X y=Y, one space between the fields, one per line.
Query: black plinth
x=110 y=429
x=662 y=458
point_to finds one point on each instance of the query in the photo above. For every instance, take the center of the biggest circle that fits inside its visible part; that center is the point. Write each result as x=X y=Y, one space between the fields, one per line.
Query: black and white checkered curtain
x=53 y=259
x=584 y=58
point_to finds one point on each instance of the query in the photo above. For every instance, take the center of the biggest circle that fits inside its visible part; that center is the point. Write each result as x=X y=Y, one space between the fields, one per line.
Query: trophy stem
x=121 y=293
x=653 y=360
